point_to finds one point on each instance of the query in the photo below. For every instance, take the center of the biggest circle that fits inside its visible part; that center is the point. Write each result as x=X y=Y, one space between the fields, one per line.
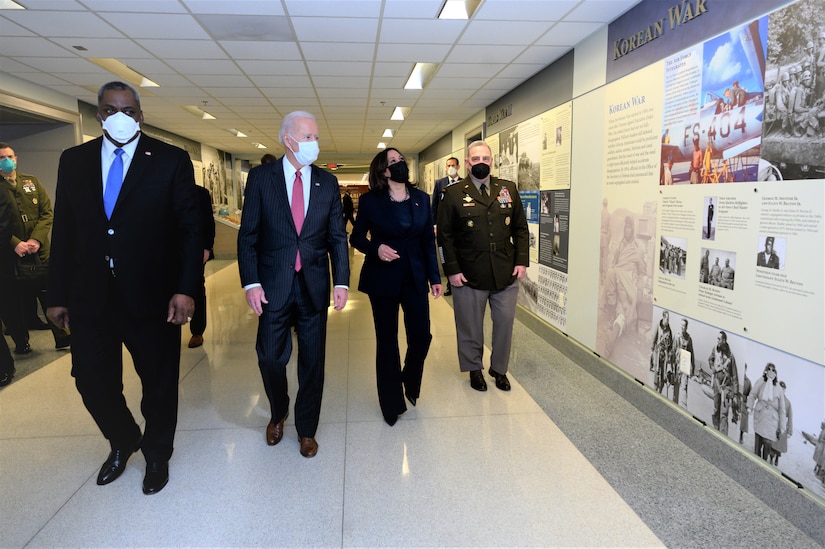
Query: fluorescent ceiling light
x=197 y=111
x=9 y=5
x=125 y=72
x=458 y=9
x=236 y=133
x=420 y=76
x=259 y=145
x=387 y=133
x=397 y=114
x=381 y=145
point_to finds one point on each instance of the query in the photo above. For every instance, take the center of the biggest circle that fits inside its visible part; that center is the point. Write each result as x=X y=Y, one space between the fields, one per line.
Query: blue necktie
x=113 y=183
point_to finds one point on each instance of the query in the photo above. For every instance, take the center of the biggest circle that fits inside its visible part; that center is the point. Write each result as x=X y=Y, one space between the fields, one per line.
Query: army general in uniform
x=483 y=232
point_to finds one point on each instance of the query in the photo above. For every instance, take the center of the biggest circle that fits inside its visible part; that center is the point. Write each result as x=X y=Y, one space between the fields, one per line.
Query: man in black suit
x=438 y=191
x=207 y=220
x=291 y=227
x=126 y=261
x=7 y=214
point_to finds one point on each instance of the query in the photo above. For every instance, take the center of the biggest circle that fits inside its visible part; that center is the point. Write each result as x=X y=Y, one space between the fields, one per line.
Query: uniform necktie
x=113 y=183
x=484 y=190
x=298 y=211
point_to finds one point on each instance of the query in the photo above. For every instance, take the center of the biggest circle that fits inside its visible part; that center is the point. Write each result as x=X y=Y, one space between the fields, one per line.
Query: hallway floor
x=462 y=469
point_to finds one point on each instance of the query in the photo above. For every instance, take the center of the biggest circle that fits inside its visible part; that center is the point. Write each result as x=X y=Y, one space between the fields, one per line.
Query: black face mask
x=480 y=170
x=399 y=172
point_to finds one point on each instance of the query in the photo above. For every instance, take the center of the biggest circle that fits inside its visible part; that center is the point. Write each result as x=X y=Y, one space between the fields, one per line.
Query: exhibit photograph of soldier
x=718 y=268
x=793 y=133
x=672 y=256
x=708 y=224
x=771 y=253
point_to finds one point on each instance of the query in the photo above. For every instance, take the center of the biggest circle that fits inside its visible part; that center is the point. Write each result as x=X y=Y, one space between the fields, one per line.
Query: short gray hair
x=288 y=123
x=119 y=86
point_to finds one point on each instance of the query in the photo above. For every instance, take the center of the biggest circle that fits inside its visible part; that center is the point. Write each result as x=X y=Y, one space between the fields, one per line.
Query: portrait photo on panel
x=709 y=218
x=722 y=268
x=771 y=254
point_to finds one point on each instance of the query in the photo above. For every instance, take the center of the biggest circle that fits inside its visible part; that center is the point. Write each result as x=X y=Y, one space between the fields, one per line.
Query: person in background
x=767 y=404
x=291 y=227
x=267 y=158
x=768 y=257
x=724 y=381
x=207 y=219
x=125 y=265
x=30 y=243
x=696 y=163
x=399 y=268
x=781 y=445
x=744 y=415
x=7 y=214
x=482 y=230
x=683 y=344
x=451 y=178
x=661 y=352
x=348 y=208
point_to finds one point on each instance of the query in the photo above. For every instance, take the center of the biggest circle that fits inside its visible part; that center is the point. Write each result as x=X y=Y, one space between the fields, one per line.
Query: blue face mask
x=7 y=165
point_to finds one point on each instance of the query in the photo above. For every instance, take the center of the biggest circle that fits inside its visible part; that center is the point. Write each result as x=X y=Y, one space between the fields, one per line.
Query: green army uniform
x=35 y=215
x=484 y=238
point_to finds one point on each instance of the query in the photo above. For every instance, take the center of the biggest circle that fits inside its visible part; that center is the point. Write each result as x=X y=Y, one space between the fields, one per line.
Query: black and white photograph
x=718 y=268
x=742 y=389
x=709 y=218
x=672 y=256
x=771 y=253
x=793 y=132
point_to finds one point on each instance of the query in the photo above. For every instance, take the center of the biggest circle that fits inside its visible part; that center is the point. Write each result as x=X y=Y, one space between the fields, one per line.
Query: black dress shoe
x=23 y=349
x=6 y=378
x=63 y=342
x=157 y=475
x=477 y=381
x=411 y=399
x=391 y=419
x=115 y=464
x=501 y=380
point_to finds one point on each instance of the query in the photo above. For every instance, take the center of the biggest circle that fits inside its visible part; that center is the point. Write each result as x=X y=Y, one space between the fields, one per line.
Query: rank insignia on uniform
x=34 y=201
x=467 y=198
x=470 y=223
x=507 y=220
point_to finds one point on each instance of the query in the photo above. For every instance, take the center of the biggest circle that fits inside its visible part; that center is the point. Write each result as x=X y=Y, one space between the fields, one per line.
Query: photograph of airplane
x=724 y=134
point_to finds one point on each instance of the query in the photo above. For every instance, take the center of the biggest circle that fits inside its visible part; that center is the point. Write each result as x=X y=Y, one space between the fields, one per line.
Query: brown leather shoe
x=275 y=431
x=309 y=447
x=195 y=341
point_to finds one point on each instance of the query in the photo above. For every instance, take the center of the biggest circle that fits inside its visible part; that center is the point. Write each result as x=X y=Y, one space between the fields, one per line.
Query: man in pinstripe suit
x=291 y=228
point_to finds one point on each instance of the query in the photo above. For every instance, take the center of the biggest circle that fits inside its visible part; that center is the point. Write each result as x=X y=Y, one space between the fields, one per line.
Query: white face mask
x=307 y=152
x=452 y=172
x=121 y=127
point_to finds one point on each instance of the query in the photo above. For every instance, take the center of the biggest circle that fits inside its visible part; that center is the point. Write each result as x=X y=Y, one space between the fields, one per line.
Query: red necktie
x=298 y=211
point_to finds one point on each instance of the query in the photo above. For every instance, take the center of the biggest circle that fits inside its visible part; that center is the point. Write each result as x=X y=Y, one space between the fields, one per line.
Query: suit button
x=110 y=232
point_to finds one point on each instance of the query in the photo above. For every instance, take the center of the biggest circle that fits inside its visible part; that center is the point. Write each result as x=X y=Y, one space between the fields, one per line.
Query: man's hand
x=256 y=299
x=59 y=316
x=457 y=280
x=181 y=309
x=437 y=290
x=519 y=271
x=339 y=296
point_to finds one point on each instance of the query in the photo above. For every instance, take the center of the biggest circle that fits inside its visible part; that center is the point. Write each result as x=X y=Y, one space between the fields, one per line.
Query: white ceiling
x=250 y=62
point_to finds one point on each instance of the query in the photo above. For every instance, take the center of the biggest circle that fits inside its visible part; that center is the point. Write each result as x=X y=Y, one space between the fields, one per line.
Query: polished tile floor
x=462 y=469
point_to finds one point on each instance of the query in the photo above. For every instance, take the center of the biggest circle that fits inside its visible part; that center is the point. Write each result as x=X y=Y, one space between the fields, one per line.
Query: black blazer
x=154 y=235
x=207 y=219
x=415 y=246
x=268 y=241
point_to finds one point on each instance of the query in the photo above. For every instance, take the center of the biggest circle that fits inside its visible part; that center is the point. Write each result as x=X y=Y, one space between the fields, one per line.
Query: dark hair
x=772 y=366
x=457 y=161
x=119 y=86
x=4 y=145
x=378 y=181
x=268 y=158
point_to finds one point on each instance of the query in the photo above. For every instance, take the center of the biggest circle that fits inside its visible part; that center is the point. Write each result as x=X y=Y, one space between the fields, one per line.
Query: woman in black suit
x=399 y=269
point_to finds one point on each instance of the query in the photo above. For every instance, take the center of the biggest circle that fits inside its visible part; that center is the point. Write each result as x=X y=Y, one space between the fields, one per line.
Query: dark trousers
x=274 y=346
x=392 y=380
x=97 y=366
x=198 y=323
x=6 y=360
x=11 y=310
